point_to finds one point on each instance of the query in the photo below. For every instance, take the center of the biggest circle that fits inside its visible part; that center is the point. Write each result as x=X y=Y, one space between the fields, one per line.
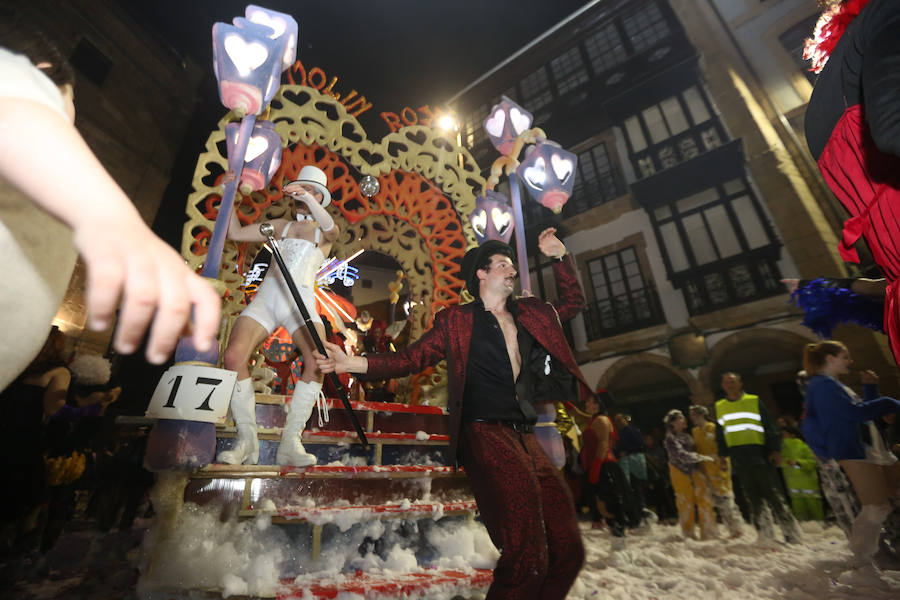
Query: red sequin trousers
x=527 y=509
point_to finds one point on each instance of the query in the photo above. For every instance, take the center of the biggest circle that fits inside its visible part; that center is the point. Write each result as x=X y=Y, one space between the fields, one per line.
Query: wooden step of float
x=245 y=487
x=428 y=583
x=447 y=584
x=321 y=436
x=327 y=471
x=372 y=416
x=319 y=515
x=344 y=446
x=344 y=516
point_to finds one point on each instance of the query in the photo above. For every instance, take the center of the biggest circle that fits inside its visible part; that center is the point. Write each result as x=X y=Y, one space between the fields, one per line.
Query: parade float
x=383 y=513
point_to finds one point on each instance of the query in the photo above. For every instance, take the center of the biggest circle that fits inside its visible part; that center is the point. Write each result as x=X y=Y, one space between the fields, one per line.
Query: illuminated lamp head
x=492 y=218
x=548 y=173
x=505 y=124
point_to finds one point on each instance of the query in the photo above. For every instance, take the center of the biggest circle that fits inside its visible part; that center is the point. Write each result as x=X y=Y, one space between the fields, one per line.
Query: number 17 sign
x=192 y=393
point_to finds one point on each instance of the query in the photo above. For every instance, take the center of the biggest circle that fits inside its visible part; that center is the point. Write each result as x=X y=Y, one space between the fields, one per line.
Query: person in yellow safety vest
x=747 y=434
x=719 y=477
x=798 y=467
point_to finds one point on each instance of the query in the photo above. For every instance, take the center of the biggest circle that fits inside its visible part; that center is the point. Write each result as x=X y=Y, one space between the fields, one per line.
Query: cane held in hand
x=267 y=230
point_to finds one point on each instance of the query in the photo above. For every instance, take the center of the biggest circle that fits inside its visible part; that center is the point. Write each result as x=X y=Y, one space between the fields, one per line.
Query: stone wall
x=134 y=98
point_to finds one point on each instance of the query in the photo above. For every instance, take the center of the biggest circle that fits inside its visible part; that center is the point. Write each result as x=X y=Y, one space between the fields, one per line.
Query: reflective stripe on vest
x=740 y=420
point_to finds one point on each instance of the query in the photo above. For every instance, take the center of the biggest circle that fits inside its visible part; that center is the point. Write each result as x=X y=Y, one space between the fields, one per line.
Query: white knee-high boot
x=243 y=408
x=866 y=530
x=290 y=450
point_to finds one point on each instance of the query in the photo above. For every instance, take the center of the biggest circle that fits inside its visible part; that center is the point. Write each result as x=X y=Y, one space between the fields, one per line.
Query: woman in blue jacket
x=838 y=425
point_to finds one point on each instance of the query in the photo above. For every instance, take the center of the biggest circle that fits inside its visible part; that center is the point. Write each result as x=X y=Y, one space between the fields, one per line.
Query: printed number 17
x=170 y=402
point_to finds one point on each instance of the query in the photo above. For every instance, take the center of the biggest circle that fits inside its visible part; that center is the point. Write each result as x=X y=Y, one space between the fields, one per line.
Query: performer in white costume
x=304 y=244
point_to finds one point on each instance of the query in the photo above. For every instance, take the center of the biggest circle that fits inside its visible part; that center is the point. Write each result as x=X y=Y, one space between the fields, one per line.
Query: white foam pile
x=250 y=557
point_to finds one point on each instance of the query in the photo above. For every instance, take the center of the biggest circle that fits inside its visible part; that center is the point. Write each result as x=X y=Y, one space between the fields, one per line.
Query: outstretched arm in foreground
x=126 y=262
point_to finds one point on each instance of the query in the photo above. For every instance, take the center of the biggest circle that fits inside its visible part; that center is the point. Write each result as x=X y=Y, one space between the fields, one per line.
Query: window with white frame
x=672 y=131
x=645 y=27
x=623 y=299
x=605 y=49
x=568 y=70
x=711 y=240
x=475 y=125
x=536 y=91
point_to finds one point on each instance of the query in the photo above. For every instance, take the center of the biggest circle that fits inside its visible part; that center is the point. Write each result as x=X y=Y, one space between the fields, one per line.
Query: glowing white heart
x=494 y=124
x=563 y=167
x=289 y=51
x=520 y=121
x=536 y=175
x=500 y=218
x=479 y=222
x=245 y=57
x=257 y=146
x=274 y=23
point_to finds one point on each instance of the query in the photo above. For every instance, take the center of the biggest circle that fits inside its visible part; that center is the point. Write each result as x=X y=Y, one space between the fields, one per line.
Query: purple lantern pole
x=504 y=125
x=548 y=171
x=521 y=252
x=249 y=57
x=220 y=229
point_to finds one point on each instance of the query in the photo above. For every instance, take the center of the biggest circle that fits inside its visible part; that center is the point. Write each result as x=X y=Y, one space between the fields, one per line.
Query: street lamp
x=248 y=59
x=548 y=171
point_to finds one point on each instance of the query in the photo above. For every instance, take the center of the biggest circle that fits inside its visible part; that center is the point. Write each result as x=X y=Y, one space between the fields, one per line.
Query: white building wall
x=756 y=26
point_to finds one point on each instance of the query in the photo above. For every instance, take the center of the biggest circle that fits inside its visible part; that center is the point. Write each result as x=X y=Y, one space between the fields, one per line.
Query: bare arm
x=55 y=389
x=571 y=298
x=330 y=231
x=250 y=233
x=339 y=361
x=125 y=260
x=602 y=427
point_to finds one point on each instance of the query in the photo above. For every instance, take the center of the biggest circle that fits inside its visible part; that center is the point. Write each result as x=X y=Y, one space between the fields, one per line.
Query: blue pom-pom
x=825 y=306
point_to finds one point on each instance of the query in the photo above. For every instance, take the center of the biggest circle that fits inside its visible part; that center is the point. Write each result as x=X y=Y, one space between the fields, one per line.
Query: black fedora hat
x=475 y=256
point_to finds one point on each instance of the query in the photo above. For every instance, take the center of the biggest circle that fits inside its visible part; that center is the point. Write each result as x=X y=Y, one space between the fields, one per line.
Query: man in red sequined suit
x=853 y=130
x=524 y=502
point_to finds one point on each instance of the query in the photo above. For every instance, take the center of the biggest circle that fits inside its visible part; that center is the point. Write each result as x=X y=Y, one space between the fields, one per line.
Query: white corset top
x=303 y=259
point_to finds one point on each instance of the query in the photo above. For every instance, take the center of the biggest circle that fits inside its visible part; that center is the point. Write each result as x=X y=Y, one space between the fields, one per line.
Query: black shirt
x=490 y=392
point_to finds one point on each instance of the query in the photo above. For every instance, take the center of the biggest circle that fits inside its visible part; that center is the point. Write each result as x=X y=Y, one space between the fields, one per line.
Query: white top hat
x=315 y=177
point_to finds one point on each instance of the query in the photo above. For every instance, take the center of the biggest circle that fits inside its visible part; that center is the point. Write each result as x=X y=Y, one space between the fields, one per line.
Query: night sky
x=395 y=52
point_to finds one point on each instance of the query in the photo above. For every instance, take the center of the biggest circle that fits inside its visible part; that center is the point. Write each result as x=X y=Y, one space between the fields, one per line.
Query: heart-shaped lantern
x=505 y=123
x=249 y=56
x=492 y=218
x=548 y=172
x=263 y=155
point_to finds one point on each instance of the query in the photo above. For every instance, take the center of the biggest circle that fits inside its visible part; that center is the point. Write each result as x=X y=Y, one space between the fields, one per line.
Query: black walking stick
x=267 y=230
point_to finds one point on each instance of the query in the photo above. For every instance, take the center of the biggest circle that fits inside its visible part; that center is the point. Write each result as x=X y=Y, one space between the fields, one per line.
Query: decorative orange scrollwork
x=419 y=216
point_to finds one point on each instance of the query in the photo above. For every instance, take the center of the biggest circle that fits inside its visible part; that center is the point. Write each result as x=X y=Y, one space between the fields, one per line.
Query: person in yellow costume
x=798 y=466
x=717 y=472
x=692 y=492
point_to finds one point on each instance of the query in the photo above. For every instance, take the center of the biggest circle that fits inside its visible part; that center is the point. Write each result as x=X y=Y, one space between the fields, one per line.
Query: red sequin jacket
x=451 y=333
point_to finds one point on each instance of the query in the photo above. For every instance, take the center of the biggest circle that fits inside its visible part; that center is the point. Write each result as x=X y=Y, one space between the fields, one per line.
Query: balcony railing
x=622 y=313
